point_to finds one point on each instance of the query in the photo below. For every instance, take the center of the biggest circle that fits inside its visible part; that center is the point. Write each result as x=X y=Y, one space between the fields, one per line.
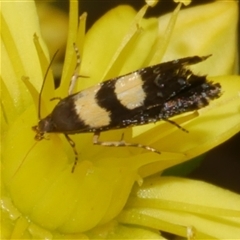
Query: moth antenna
x=44 y=80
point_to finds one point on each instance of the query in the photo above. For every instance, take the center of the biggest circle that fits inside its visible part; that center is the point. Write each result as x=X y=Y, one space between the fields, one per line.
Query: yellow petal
x=203 y=30
x=115 y=230
x=172 y=204
x=18 y=51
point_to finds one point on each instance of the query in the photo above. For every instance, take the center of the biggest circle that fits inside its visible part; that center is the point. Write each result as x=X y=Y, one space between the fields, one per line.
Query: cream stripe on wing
x=129 y=91
x=89 y=111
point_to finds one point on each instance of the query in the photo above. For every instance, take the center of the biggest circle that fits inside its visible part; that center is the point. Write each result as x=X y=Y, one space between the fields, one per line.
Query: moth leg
x=120 y=143
x=72 y=143
x=75 y=75
x=175 y=124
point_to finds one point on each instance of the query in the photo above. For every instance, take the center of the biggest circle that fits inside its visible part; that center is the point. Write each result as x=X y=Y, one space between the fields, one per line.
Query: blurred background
x=221 y=165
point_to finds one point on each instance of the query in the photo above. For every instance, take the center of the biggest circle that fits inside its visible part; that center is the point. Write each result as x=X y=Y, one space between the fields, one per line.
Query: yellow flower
x=41 y=198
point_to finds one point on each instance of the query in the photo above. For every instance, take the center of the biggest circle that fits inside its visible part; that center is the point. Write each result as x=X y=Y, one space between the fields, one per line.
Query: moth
x=144 y=96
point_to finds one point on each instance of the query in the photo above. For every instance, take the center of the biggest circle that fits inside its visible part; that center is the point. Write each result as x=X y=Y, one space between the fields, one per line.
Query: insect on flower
x=144 y=96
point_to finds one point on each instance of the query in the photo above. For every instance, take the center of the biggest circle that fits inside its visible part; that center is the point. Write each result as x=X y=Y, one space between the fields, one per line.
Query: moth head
x=44 y=126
